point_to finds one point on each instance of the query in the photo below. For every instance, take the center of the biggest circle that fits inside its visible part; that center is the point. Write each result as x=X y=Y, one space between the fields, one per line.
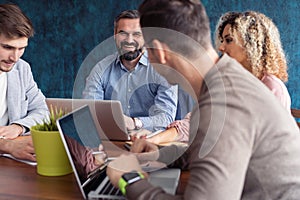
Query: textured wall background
x=68 y=30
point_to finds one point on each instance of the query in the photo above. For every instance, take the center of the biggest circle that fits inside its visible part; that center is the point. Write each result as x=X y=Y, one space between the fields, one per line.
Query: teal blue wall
x=68 y=30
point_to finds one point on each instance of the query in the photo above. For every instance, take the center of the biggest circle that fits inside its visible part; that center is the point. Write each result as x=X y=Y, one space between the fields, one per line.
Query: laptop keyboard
x=109 y=188
x=106 y=191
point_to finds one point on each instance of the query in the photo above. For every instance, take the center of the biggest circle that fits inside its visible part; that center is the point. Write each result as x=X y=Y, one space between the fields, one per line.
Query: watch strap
x=123 y=182
x=122 y=186
x=138 y=124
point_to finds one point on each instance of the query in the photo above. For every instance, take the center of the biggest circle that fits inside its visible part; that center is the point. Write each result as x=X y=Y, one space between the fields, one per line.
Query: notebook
x=108 y=114
x=81 y=140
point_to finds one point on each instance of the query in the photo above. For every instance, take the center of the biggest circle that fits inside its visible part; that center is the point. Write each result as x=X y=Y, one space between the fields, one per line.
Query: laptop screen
x=108 y=115
x=81 y=140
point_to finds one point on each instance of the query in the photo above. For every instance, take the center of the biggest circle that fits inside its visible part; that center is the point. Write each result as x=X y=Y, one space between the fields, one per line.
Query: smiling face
x=10 y=51
x=231 y=46
x=129 y=38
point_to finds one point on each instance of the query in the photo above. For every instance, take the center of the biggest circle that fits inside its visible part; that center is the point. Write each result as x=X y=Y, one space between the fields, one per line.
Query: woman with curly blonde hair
x=254 y=41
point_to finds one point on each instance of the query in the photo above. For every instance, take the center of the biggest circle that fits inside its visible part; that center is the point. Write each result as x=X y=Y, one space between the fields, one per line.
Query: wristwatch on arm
x=138 y=124
x=129 y=178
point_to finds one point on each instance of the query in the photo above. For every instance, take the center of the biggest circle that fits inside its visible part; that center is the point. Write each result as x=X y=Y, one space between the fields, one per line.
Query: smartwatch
x=138 y=124
x=129 y=178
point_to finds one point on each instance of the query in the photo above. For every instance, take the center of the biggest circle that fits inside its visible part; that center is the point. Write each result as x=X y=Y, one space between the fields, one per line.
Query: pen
x=97 y=152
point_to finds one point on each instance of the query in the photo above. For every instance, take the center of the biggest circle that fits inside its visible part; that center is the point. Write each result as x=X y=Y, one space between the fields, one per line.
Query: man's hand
x=141 y=146
x=20 y=147
x=145 y=151
x=129 y=123
x=142 y=133
x=10 y=132
x=121 y=165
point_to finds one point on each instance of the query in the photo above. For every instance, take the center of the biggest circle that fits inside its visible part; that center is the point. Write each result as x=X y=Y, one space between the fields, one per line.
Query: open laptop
x=81 y=140
x=108 y=114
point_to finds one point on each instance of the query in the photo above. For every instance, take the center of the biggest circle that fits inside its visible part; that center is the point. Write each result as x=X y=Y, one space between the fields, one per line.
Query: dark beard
x=129 y=56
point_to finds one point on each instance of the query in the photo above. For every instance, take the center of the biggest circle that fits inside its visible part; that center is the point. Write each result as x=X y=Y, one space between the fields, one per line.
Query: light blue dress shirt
x=143 y=92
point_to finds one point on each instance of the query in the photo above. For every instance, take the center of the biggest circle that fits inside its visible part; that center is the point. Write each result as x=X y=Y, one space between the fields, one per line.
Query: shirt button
x=128 y=107
x=129 y=90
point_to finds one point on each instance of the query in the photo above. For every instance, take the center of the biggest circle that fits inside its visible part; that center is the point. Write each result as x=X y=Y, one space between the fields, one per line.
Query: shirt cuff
x=25 y=130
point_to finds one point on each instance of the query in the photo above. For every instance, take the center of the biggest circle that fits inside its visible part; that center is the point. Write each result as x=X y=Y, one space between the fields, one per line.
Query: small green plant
x=50 y=123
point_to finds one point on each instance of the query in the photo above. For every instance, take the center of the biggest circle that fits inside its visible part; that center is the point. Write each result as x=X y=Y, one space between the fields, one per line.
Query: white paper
x=20 y=160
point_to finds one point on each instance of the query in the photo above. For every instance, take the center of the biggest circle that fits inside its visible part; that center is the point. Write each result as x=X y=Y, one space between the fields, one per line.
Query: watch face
x=130 y=175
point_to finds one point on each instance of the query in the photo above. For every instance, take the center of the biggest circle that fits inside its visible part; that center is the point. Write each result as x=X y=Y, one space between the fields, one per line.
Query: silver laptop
x=108 y=114
x=81 y=140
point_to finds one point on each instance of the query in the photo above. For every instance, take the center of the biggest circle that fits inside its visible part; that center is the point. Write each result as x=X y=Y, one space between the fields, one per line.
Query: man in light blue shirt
x=147 y=99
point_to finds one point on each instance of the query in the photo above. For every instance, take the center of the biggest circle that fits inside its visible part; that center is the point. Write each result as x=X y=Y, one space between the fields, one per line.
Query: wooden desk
x=21 y=181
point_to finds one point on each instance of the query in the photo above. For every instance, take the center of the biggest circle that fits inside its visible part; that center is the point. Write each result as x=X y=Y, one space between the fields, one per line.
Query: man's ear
x=159 y=51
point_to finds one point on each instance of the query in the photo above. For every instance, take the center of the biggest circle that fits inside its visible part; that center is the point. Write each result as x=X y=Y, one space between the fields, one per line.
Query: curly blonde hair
x=261 y=40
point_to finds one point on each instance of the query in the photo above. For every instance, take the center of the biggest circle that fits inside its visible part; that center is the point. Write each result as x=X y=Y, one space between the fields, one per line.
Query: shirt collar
x=144 y=58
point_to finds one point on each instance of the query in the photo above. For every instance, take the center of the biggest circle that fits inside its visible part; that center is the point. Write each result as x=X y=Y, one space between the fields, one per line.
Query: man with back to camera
x=147 y=99
x=22 y=104
x=243 y=144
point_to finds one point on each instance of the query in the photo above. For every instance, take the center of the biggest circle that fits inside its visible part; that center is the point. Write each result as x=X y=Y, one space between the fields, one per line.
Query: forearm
x=36 y=116
x=163 y=112
x=182 y=127
x=157 y=121
x=169 y=135
x=174 y=156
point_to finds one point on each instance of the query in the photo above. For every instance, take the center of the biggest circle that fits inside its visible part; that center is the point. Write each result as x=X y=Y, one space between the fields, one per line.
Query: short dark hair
x=185 y=16
x=14 y=23
x=127 y=14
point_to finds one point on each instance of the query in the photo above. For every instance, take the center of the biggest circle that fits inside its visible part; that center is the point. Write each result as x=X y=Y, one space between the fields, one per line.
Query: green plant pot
x=51 y=156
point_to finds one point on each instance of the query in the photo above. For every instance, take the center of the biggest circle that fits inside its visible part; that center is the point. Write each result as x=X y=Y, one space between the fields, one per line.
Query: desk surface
x=21 y=181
